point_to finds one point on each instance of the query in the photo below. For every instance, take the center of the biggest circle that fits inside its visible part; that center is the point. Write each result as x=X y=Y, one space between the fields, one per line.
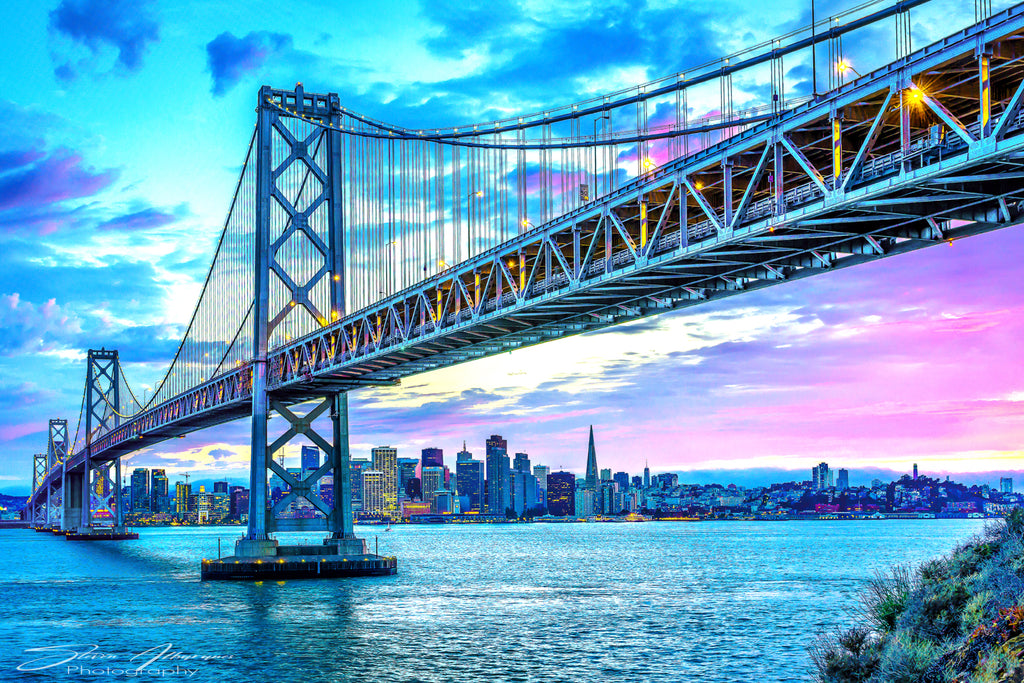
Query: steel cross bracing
x=926 y=150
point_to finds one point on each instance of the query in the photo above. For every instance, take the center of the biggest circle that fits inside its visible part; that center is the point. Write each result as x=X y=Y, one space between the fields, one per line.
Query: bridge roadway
x=925 y=150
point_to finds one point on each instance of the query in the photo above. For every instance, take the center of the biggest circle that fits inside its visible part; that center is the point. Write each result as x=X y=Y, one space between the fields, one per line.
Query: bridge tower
x=102 y=415
x=38 y=512
x=57 y=454
x=282 y=216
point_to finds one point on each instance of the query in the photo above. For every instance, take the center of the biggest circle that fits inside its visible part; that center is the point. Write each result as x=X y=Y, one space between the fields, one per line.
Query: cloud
x=128 y=26
x=147 y=218
x=31 y=328
x=230 y=59
x=29 y=178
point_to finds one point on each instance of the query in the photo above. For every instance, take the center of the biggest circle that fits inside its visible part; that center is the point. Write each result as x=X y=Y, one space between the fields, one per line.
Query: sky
x=124 y=125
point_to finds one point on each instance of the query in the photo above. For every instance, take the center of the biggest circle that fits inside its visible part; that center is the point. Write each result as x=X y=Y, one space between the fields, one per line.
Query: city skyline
x=921 y=348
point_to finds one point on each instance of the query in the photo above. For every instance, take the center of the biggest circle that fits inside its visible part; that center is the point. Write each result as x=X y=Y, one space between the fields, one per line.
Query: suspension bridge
x=357 y=252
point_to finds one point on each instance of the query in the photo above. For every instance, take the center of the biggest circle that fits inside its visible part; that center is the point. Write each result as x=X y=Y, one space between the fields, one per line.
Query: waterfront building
x=469 y=478
x=432 y=481
x=522 y=462
x=497 y=475
x=445 y=503
x=843 y=480
x=385 y=460
x=356 y=467
x=310 y=459
x=140 y=490
x=541 y=472
x=586 y=502
x=432 y=457
x=159 y=491
x=1006 y=484
x=463 y=454
x=561 y=490
x=406 y=471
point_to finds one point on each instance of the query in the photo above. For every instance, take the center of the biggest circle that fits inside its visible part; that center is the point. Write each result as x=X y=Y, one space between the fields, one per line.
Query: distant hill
x=13 y=502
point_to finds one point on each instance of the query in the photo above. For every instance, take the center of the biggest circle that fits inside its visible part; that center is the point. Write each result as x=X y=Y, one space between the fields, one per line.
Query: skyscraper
x=385 y=460
x=374 y=494
x=310 y=458
x=432 y=457
x=182 y=498
x=562 y=494
x=541 y=473
x=647 y=476
x=606 y=474
x=469 y=477
x=592 y=476
x=140 y=489
x=406 y=471
x=463 y=454
x=432 y=481
x=497 y=475
x=522 y=462
x=821 y=477
x=356 y=467
x=844 y=480
x=1006 y=484
x=218 y=486
x=160 y=499
x=622 y=479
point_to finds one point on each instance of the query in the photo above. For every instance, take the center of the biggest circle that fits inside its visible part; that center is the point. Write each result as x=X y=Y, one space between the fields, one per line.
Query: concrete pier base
x=335 y=558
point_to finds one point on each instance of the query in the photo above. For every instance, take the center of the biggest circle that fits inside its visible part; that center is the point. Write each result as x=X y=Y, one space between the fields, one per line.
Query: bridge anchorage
x=357 y=253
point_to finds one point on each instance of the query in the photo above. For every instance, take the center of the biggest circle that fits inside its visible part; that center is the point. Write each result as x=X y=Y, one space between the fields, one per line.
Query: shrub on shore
x=956 y=619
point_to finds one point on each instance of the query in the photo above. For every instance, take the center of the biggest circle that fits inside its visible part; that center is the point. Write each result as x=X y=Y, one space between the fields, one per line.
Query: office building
x=239 y=502
x=356 y=467
x=586 y=502
x=219 y=486
x=182 y=499
x=497 y=475
x=522 y=462
x=309 y=459
x=406 y=471
x=414 y=489
x=140 y=490
x=463 y=454
x=375 y=499
x=647 y=476
x=432 y=481
x=385 y=459
x=469 y=479
x=621 y=480
x=821 y=477
x=592 y=477
x=1006 y=484
x=843 y=480
x=561 y=488
x=541 y=473
x=606 y=474
x=431 y=457
x=159 y=492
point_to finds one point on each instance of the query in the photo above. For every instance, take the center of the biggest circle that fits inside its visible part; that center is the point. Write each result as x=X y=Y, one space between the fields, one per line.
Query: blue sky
x=124 y=127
